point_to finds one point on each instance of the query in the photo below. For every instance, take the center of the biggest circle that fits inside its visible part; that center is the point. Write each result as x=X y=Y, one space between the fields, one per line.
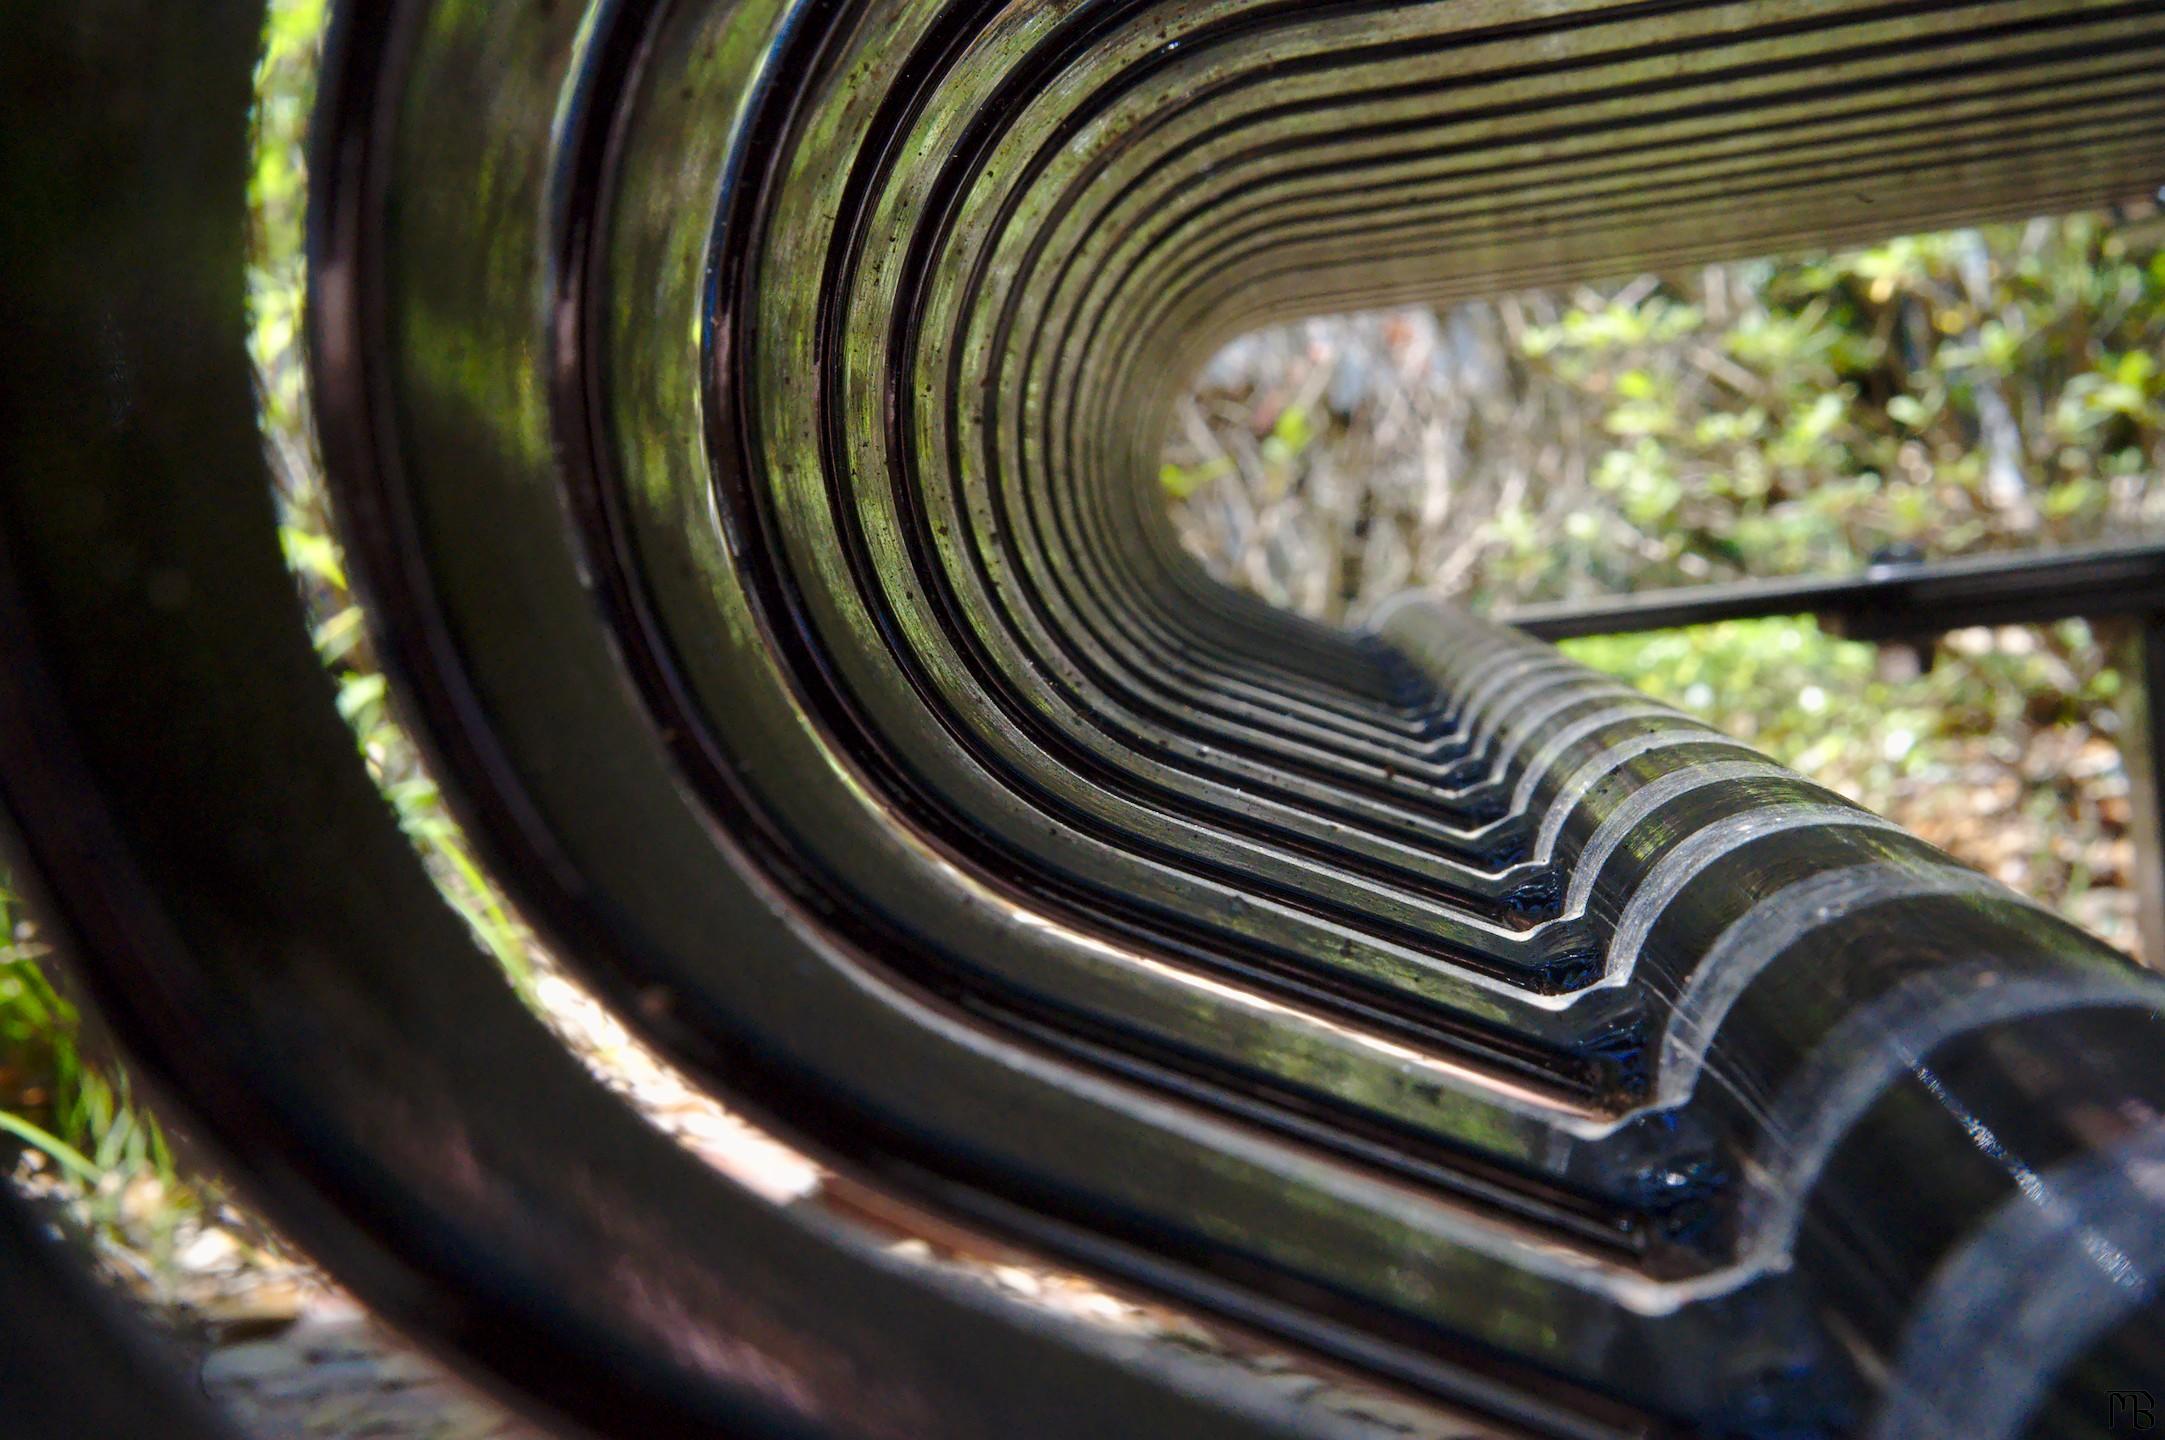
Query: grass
x=75 y=1121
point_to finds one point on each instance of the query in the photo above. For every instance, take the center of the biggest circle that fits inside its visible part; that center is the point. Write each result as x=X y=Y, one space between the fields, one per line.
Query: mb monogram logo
x=2131 y=1412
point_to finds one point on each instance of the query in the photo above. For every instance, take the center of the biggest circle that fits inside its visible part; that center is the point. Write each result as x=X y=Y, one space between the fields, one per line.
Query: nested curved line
x=680 y=1040
x=838 y=245
x=1507 y=711
x=1351 y=296
x=1650 y=191
x=2104 y=161
x=1490 y=1248
x=1415 y=197
x=1004 y=216
x=906 y=308
x=1241 y=25
x=903 y=308
x=1203 y=200
x=832 y=408
x=1627 y=116
x=1401 y=774
x=830 y=436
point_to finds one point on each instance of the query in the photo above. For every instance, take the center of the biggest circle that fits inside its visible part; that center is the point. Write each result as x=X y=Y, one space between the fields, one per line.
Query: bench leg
x=2138 y=648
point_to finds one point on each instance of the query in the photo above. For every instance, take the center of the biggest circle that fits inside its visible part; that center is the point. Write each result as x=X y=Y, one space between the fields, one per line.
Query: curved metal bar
x=743 y=420
x=73 y=1364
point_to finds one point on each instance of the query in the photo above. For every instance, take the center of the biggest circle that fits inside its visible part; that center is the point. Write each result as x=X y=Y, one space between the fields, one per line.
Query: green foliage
x=1290 y=435
x=1807 y=697
x=286 y=89
x=395 y=765
x=1972 y=390
x=1181 y=481
x=40 y=1069
x=78 y=1117
x=277 y=198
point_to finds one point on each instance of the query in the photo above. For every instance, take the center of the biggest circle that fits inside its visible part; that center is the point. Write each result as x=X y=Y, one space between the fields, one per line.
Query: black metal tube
x=1913 y=601
x=742 y=420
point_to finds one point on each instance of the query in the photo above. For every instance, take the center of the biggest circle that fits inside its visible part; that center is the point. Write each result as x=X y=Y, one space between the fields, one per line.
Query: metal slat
x=744 y=419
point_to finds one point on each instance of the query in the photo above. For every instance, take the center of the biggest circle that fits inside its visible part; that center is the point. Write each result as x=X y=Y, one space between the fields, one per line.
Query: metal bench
x=744 y=419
